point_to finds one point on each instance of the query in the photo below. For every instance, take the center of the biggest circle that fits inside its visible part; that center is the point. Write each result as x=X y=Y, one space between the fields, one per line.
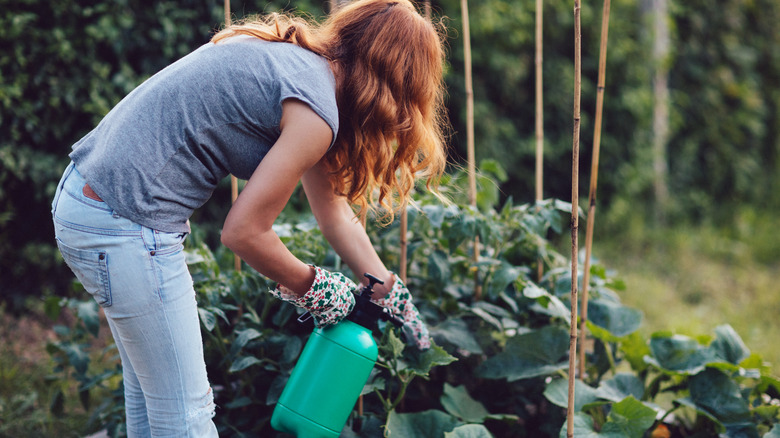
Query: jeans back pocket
x=91 y=269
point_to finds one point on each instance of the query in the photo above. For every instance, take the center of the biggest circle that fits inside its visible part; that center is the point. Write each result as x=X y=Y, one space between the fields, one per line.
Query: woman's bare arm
x=342 y=229
x=304 y=139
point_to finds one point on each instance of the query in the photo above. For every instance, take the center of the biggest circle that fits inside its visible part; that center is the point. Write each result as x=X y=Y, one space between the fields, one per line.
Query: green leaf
x=546 y=303
x=502 y=277
x=728 y=345
x=629 y=417
x=686 y=401
x=207 y=319
x=679 y=353
x=77 y=357
x=536 y=353
x=616 y=318
x=469 y=431
x=430 y=423
x=88 y=314
x=715 y=392
x=391 y=345
x=435 y=214
x=457 y=401
x=292 y=349
x=438 y=267
x=557 y=392
x=619 y=387
x=456 y=332
x=421 y=362
x=243 y=363
x=242 y=338
x=635 y=349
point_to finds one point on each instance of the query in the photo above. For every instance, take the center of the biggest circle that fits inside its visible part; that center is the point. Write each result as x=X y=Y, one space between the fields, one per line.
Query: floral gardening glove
x=399 y=302
x=329 y=300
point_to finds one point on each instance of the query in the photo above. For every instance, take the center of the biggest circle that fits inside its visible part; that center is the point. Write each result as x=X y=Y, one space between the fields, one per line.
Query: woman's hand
x=329 y=300
x=399 y=302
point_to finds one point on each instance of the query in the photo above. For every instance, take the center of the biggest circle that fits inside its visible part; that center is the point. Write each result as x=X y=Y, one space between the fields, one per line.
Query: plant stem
x=404 y=384
x=574 y=215
x=594 y=175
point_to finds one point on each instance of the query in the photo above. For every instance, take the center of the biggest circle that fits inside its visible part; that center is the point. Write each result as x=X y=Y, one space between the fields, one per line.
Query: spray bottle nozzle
x=371 y=282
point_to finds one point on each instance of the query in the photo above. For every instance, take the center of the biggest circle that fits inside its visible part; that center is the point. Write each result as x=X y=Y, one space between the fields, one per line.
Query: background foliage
x=498 y=364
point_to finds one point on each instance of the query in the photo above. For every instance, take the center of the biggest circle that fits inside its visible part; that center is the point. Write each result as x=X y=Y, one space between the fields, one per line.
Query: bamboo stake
x=539 y=120
x=539 y=108
x=594 y=175
x=470 y=134
x=574 y=215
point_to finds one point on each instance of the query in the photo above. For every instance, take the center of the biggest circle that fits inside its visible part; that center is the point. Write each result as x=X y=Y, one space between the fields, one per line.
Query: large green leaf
x=686 y=401
x=614 y=317
x=630 y=417
x=717 y=393
x=728 y=346
x=537 y=353
x=546 y=303
x=430 y=423
x=621 y=386
x=679 y=353
x=457 y=401
x=557 y=392
x=421 y=362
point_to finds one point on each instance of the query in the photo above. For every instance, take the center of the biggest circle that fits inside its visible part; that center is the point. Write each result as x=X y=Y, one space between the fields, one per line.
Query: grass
x=691 y=280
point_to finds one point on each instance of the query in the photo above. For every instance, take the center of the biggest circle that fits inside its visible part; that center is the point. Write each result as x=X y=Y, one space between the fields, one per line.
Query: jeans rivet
x=102 y=257
x=151 y=252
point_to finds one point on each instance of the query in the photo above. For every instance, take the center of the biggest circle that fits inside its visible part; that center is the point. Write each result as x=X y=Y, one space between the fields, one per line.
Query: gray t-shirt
x=160 y=153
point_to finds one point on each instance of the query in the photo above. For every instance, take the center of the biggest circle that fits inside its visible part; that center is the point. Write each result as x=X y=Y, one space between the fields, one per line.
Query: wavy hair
x=388 y=63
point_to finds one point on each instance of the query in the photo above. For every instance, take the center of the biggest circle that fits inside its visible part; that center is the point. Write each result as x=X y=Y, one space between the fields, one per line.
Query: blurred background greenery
x=688 y=191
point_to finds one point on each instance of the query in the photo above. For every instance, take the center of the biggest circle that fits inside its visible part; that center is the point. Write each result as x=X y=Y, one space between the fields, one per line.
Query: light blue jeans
x=139 y=277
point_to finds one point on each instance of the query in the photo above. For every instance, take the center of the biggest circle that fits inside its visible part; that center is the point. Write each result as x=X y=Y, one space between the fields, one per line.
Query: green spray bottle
x=331 y=372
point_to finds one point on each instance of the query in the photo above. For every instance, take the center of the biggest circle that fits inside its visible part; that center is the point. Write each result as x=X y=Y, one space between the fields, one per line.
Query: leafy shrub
x=498 y=364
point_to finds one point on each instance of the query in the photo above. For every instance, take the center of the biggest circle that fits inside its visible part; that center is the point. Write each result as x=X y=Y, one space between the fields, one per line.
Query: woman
x=351 y=108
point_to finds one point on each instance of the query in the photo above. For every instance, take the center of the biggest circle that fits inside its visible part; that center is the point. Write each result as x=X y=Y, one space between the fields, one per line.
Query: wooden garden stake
x=470 y=133
x=574 y=215
x=539 y=119
x=594 y=175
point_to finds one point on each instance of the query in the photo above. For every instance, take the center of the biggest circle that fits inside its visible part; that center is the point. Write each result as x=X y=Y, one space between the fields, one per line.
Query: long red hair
x=388 y=63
